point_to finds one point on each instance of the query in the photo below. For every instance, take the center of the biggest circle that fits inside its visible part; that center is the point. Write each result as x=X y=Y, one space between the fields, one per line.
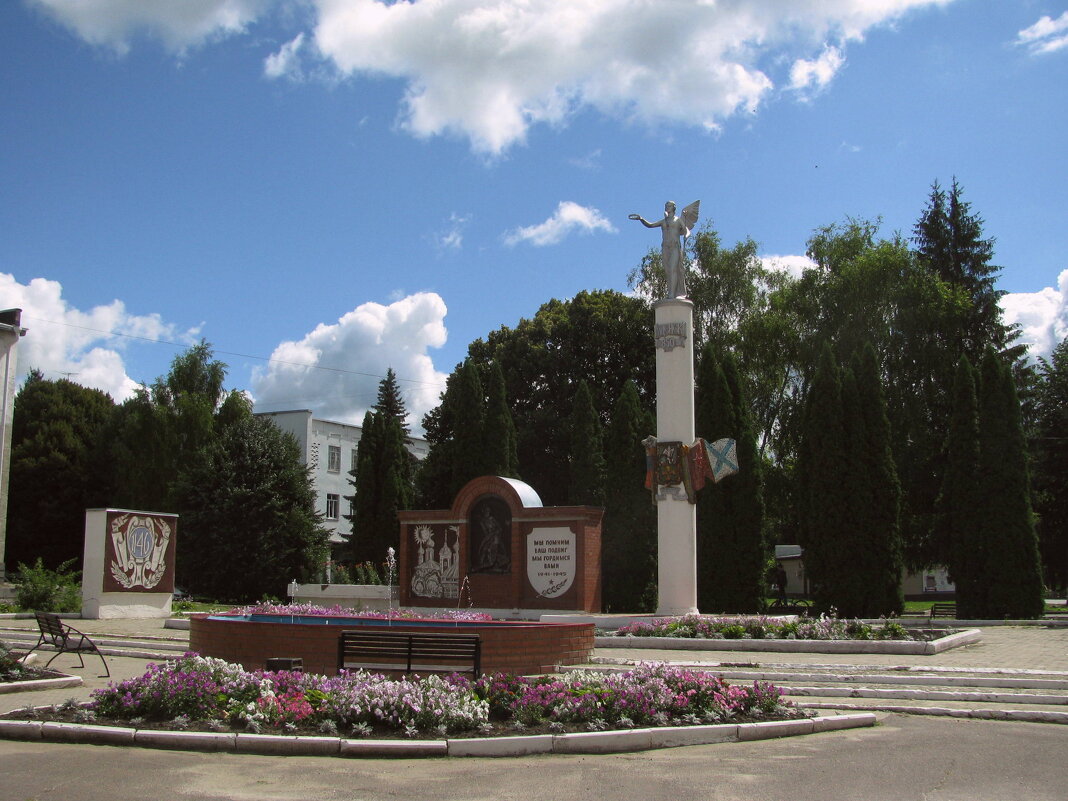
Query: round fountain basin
x=520 y=647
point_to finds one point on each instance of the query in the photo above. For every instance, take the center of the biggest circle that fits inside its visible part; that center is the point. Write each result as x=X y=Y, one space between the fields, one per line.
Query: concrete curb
x=1002 y=681
x=40 y=684
x=925 y=695
x=607 y=742
x=901 y=647
x=1019 y=715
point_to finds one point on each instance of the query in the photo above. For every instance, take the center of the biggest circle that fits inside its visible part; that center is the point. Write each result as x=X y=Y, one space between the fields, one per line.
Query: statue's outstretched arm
x=644 y=221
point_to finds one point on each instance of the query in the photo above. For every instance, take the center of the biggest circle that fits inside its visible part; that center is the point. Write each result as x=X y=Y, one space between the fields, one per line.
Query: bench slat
x=410 y=651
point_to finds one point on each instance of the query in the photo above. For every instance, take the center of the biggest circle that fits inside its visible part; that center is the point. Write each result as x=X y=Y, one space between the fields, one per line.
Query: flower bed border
x=606 y=742
x=955 y=639
x=30 y=685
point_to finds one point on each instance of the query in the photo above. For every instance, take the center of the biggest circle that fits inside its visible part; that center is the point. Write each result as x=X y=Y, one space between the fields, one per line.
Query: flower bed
x=203 y=693
x=11 y=670
x=758 y=627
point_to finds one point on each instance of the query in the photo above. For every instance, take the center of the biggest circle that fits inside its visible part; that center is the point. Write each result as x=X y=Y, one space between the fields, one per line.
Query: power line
x=267 y=359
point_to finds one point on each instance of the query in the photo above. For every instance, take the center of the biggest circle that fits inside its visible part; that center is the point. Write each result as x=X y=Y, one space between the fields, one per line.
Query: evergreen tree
x=433 y=480
x=1010 y=548
x=391 y=402
x=731 y=548
x=880 y=518
x=382 y=481
x=949 y=241
x=824 y=504
x=248 y=520
x=586 y=465
x=367 y=485
x=628 y=530
x=714 y=418
x=851 y=588
x=1051 y=465
x=960 y=503
x=455 y=431
x=499 y=436
x=58 y=470
x=469 y=415
x=395 y=491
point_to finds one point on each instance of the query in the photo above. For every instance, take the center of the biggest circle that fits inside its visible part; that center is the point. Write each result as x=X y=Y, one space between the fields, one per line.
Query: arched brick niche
x=497 y=547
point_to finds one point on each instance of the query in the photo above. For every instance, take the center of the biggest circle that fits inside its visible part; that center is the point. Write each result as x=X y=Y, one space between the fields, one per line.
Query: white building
x=329 y=449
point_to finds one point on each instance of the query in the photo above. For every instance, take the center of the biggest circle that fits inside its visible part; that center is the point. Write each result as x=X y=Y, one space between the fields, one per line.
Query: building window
x=333 y=458
x=353 y=462
x=332 y=502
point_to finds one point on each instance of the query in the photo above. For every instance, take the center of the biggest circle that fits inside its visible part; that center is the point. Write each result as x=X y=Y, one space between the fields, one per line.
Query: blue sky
x=326 y=188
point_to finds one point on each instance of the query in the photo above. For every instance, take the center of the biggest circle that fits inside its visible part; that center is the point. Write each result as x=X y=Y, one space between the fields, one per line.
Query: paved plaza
x=904 y=757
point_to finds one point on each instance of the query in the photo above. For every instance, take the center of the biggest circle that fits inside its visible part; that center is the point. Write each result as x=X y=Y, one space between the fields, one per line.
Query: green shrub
x=10 y=668
x=734 y=631
x=40 y=589
x=893 y=631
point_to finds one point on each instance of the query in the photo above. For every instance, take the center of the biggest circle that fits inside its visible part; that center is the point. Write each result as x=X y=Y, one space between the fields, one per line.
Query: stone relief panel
x=490 y=528
x=436 y=549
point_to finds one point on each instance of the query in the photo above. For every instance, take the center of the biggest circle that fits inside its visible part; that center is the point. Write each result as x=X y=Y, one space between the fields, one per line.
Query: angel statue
x=675 y=230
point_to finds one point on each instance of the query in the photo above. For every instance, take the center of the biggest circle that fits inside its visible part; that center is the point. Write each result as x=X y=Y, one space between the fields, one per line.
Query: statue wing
x=689 y=215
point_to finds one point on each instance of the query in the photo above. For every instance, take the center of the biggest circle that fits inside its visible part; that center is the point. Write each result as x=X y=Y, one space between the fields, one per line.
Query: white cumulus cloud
x=336 y=369
x=568 y=217
x=87 y=346
x=177 y=23
x=487 y=70
x=1042 y=316
x=285 y=62
x=812 y=75
x=1045 y=36
x=792 y=265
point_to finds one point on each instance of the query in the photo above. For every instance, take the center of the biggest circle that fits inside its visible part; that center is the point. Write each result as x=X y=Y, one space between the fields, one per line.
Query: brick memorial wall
x=497 y=547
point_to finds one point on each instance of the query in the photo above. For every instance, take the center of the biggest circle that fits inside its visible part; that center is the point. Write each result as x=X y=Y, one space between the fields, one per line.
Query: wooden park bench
x=65 y=639
x=410 y=652
x=945 y=609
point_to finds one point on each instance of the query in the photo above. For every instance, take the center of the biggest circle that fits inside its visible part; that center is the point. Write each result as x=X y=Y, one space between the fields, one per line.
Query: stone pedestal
x=676 y=516
x=129 y=563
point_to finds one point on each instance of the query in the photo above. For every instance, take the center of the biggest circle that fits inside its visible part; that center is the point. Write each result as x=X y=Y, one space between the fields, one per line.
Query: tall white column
x=676 y=516
x=10 y=331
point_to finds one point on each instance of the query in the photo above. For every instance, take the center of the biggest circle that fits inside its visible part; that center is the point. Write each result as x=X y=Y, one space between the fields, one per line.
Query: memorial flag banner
x=723 y=457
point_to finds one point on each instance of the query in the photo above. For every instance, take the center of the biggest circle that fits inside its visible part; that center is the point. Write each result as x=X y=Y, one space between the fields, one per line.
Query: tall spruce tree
x=1010 y=547
x=628 y=531
x=391 y=401
x=949 y=241
x=586 y=465
x=382 y=481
